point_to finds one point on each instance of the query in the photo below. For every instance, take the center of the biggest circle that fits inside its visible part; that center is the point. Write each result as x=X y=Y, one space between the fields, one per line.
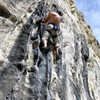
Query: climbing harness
x=56 y=27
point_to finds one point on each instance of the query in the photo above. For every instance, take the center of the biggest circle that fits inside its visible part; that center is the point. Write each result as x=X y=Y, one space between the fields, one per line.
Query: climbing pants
x=49 y=31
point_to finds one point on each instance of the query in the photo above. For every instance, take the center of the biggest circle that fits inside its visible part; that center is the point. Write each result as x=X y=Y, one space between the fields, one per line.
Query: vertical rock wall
x=26 y=73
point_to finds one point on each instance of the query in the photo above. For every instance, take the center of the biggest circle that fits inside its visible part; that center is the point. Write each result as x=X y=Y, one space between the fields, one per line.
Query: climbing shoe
x=57 y=57
x=45 y=51
x=33 y=69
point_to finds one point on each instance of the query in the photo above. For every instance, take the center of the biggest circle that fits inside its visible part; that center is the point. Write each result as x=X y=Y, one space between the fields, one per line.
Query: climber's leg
x=54 y=35
x=57 y=50
x=44 y=42
x=45 y=37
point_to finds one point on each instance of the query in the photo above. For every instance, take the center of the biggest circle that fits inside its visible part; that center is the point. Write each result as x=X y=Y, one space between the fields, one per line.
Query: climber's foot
x=57 y=57
x=45 y=50
x=33 y=69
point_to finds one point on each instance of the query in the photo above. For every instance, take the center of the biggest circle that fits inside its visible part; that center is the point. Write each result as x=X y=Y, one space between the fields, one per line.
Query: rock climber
x=52 y=29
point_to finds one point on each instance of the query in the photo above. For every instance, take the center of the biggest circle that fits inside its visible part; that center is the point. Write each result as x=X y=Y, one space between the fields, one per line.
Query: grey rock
x=28 y=73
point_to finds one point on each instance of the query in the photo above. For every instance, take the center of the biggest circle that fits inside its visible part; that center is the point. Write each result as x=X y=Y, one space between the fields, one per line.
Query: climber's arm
x=46 y=19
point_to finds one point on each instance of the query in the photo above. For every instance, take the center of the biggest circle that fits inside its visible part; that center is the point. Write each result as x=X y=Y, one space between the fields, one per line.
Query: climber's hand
x=38 y=21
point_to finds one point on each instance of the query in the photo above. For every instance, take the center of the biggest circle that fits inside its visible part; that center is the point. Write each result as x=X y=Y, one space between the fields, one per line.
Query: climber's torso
x=54 y=18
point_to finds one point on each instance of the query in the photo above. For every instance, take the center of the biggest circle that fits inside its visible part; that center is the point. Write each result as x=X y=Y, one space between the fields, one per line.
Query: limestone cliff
x=75 y=76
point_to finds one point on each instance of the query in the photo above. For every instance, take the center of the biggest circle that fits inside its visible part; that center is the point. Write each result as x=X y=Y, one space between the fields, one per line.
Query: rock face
x=26 y=73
